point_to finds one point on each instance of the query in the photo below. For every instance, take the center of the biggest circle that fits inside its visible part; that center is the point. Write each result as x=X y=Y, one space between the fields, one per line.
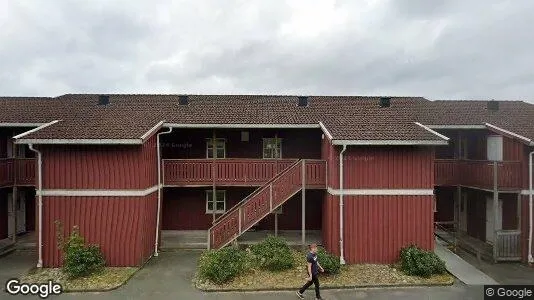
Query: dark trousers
x=315 y=281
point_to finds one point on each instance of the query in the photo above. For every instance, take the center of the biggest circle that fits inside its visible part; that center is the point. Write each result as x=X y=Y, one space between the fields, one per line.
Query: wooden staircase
x=256 y=206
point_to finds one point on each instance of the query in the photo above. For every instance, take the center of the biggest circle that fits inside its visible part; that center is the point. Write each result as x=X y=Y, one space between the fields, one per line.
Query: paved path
x=169 y=277
x=461 y=269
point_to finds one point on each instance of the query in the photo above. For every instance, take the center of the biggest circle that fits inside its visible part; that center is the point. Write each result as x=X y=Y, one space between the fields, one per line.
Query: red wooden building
x=364 y=175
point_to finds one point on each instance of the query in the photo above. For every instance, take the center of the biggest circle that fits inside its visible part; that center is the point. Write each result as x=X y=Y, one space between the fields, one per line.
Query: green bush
x=415 y=261
x=273 y=254
x=328 y=261
x=222 y=265
x=80 y=259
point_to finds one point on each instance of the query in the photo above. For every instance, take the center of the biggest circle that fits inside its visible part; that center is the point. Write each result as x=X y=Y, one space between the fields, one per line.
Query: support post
x=15 y=212
x=303 y=211
x=495 y=208
x=213 y=174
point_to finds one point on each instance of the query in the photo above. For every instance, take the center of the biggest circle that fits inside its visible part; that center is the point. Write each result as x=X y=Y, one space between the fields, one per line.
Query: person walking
x=313 y=268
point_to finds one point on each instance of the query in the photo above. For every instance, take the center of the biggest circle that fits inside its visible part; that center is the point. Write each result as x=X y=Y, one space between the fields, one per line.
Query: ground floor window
x=219 y=202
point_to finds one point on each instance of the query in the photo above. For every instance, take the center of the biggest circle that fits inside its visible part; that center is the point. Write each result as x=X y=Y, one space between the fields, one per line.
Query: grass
x=360 y=275
x=110 y=278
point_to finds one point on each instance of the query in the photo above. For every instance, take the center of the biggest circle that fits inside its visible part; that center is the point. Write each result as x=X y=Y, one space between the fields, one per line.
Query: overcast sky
x=439 y=49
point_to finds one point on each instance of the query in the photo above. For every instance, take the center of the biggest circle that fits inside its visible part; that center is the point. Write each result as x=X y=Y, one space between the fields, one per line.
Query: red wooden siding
x=330 y=226
x=124 y=227
x=378 y=227
x=3 y=212
x=478 y=173
x=100 y=167
x=389 y=167
x=185 y=209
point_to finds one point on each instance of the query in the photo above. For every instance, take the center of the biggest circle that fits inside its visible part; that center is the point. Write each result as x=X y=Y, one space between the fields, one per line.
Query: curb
x=341 y=287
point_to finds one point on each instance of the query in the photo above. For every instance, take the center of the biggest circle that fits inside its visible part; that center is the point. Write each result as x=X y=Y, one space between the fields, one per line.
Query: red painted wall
x=100 y=167
x=122 y=226
x=191 y=143
x=30 y=209
x=378 y=227
x=3 y=212
x=389 y=167
x=185 y=209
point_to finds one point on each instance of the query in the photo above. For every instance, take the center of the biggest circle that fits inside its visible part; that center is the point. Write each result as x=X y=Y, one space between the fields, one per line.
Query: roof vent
x=303 y=101
x=385 y=101
x=183 y=99
x=493 y=105
x=103 y=100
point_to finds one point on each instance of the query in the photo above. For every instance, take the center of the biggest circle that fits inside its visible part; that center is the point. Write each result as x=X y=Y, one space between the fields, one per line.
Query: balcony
x=236 y=171
x=17 y=171
x=478 y=173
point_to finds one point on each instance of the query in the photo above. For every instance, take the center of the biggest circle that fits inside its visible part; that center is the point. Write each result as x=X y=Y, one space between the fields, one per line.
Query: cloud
x=438 y=49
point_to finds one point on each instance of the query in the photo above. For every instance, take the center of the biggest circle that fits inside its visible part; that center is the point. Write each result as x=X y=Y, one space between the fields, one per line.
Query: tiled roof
x=345 y=117
x=514 y=116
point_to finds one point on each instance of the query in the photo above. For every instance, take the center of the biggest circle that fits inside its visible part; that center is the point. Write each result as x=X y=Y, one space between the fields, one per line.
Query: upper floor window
x=495 y=148
x=220 y=148
x=272 y=148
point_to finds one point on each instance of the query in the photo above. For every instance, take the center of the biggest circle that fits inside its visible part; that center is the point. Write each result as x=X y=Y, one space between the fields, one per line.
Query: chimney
x=385 y=101
x=303 y=101
x=103 y=100
x=183 y=99
x=493 y=105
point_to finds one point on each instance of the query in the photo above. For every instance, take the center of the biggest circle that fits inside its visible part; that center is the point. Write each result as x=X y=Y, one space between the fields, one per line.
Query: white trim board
x=81 y=141
x=35 y=129
x=325 y=131
x=455 y=126
x=388 y=142
x=98 y=193
x=381 y=192
x=175 y=125
x=508 y=133
x=152 y=130
x=525 y=192
x=21 y=124
x=432 y=131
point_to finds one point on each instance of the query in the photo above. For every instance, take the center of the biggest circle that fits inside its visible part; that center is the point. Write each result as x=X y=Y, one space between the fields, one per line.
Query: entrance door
x=21 y=213
x=490 y=219
x=10 y=215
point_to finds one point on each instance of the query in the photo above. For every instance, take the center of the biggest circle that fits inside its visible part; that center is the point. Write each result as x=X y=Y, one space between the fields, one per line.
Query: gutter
x=156 y=243
x=341 y=213
x=530 y=258
x=40 y=203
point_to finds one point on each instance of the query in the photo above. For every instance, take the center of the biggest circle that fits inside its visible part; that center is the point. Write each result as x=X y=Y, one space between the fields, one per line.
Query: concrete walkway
x=461 y=269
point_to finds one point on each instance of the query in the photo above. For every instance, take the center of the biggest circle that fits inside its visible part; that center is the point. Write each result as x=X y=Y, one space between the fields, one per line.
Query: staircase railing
x=256 y=206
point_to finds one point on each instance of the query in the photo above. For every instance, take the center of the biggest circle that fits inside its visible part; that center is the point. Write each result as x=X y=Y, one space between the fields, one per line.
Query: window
x=272 y=148
x=220 y=202
x=494 y=148
x=220 y=148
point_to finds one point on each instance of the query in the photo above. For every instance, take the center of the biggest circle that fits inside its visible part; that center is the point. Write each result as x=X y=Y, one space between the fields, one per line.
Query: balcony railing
x=236 y=171
x=17 y=171
x=478 y=173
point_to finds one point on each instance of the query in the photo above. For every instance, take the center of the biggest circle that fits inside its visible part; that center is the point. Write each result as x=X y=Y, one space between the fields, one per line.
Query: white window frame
x=209 y=198
x=265 y=142
x=209 y=150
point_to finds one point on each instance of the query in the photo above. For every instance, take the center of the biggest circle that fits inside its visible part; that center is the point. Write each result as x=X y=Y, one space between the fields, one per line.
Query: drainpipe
x=341 y=246
x=530 y=258
x=156 y=243
x=39 y=203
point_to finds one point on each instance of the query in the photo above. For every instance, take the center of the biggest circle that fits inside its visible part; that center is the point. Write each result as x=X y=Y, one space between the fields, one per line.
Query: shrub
x=222 y=265
x=415 y=261
x=328 y=261
x=273 y=254
x=80 y=259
